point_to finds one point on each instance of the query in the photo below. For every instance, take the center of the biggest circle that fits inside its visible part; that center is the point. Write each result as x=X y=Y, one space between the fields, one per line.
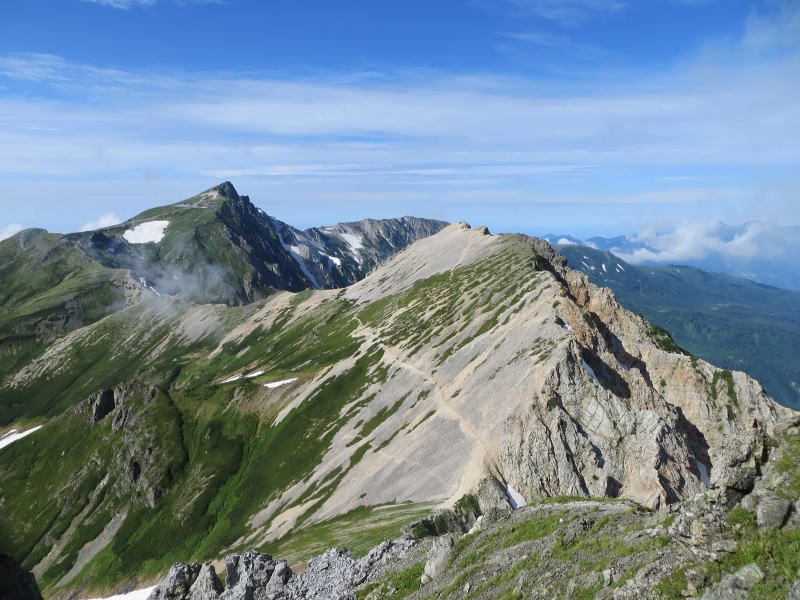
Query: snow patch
x=566 y=326
x=275 y=384
x=604 y=268
x=136 y=595
x=255 y=374
x=621 y=267
x=14 y=435
x=352 y=240
x=705 y=478
x=476 y=526
x=229 y=379
x=516 y=499
x=589 y=370
x=335 y=260
x=355 y=244
x=301 y=262
x=145 y=233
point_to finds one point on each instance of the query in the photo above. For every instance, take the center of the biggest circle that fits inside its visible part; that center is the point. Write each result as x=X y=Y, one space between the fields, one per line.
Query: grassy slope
x=731 y=322
x=56 y=288
x=229 y=464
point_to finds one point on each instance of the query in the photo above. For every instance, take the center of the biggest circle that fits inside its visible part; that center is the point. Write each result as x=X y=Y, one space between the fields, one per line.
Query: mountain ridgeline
x=354 y=379
x=216 y=247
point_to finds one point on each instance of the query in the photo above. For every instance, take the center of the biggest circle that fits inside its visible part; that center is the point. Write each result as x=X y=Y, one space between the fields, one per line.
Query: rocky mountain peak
x=226 y=190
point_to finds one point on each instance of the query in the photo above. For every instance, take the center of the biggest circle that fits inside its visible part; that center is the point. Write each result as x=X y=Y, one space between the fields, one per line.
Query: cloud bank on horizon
x=759 y=251
x=596 y=143
x=690 y=241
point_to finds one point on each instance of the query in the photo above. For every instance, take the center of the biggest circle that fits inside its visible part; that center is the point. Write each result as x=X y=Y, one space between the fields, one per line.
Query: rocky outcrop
x=438 y=557
x=188 y=582
x=102 y=403
x=15 y=582
x=255 y=576
x=333 y=575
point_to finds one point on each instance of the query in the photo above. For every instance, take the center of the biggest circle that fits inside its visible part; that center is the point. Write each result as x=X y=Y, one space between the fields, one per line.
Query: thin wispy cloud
x=564 y=12
x=129 y=4
x=474 y=137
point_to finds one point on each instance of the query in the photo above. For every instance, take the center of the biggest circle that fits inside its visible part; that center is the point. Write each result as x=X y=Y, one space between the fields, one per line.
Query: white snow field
x=145 y=233
x=516 y=498
x=135 y=595
x=14 y=435
x=275 y=384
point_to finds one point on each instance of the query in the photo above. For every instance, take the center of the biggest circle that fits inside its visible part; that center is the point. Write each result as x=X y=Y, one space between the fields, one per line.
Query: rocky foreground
x=737 y=541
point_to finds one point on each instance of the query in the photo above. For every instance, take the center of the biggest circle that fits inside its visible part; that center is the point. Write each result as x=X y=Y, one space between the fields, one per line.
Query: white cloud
x=103 y=221
x=694 y=241
x=476 y=138
x=9 y=230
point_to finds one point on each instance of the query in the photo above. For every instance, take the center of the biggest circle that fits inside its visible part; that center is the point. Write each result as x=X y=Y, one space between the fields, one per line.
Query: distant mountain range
x=763 y=252
x=730 y=321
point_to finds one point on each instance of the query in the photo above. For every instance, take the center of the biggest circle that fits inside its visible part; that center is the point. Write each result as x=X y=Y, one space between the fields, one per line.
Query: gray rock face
x=207 y=586
x=188 y=581
x=255 y=576
x=771 y=512
x=333 y=575
x=15 y=582
x=177 y=584
x=330 y=575
x=438 y=558
x=102 y=404
x=735 y=586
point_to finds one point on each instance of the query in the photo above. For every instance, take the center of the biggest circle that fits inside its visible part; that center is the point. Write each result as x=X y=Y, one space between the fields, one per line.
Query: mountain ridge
x=466 y=365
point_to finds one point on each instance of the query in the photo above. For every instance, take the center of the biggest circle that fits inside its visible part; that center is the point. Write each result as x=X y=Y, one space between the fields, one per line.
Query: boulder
x=735 y=586
x=771 y=512
x=438 y=557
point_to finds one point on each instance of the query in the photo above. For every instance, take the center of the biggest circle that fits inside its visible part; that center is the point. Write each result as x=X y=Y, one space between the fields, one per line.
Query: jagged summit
x=226 y=190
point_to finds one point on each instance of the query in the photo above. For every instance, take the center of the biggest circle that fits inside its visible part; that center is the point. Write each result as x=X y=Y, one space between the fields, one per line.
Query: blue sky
x=579 y=116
